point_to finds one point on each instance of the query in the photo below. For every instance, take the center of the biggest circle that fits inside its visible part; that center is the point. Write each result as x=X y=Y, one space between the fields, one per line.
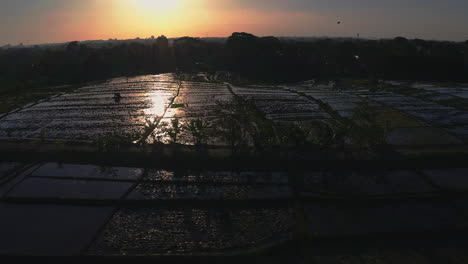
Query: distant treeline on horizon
x=269 y=59
x=115 y=41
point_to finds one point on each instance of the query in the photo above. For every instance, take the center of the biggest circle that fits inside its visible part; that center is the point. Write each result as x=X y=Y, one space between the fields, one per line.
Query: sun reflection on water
x=158 y=105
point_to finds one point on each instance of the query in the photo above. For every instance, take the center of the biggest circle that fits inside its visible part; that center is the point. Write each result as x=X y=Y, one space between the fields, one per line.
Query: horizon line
x=220 y=37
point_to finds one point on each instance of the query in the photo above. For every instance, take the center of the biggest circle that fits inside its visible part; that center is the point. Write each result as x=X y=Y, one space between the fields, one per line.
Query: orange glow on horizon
x=176 y=18
x=129 y=19
x=58 y=21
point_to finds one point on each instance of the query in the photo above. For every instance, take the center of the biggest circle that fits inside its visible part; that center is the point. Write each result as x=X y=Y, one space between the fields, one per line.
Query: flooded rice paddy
x=126 y=211
x=143 y=109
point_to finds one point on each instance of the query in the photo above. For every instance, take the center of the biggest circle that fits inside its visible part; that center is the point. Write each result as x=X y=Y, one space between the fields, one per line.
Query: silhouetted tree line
x=260 y=58
x=289 y=60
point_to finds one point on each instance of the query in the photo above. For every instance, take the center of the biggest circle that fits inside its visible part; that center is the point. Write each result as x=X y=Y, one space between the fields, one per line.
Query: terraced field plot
x=408 y=120
x=95 y=111
x=134 y=211
x=195 y=101
x=281 y=105
x=441 y=107
x=341 y=102
x=448 y=118
x=192 y=231
x=92 y=112
x=461 y=91
x=148 y=211
x=144 y=108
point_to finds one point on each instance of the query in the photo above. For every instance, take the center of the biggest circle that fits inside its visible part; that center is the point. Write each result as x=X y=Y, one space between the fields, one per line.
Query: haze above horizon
x=55 y=21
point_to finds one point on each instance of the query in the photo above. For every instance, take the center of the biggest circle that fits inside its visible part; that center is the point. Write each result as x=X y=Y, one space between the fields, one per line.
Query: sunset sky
x=47 y=21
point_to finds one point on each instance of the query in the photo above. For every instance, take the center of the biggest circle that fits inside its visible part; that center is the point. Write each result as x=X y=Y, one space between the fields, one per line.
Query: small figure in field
x=117 y=97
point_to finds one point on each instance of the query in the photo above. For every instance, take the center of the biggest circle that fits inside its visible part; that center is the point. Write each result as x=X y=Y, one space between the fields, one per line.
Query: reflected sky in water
x=160 y=95
x=159 y=104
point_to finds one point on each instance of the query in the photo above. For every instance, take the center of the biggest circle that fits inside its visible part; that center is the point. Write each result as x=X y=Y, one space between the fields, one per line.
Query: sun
x=161 y=5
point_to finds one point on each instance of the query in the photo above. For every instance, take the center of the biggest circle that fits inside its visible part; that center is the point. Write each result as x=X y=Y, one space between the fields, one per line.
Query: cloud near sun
x=42 y=21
